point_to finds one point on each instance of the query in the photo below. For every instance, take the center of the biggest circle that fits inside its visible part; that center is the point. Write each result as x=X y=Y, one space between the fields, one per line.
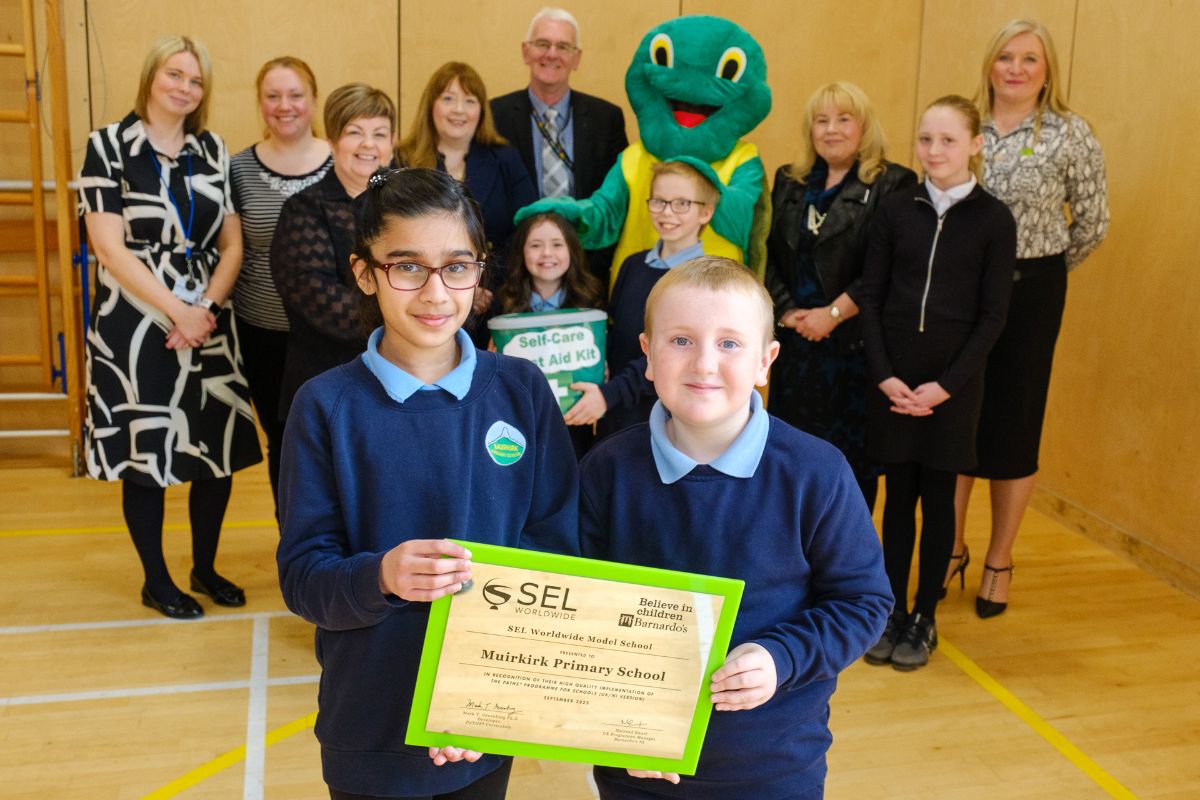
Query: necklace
x=815 y=219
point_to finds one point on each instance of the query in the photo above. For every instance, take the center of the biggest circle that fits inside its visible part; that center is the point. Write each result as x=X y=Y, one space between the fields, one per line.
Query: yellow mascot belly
x=638 y=232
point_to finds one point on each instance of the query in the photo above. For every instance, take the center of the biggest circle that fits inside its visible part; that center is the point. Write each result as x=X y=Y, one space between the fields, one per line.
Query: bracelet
x=208 y=305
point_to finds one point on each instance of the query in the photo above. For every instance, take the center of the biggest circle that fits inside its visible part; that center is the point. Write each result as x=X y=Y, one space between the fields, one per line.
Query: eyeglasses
x=408 y=276
x=679 y=205
x=543 y=45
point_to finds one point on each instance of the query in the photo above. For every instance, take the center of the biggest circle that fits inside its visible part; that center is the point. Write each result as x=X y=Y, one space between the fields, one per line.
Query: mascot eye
x=662 y=50
x=732 y=64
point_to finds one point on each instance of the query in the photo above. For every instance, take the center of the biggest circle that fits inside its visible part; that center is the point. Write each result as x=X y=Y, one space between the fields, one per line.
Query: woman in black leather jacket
x=822 y=206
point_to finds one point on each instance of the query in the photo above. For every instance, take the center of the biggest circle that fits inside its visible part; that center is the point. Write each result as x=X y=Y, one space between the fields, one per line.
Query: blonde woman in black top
x=822 y=207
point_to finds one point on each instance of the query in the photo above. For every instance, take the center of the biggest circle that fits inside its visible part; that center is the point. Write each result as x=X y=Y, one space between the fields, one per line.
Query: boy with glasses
x=681 y=203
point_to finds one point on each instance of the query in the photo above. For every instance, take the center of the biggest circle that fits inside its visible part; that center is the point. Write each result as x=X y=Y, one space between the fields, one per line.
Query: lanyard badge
x=187 y=288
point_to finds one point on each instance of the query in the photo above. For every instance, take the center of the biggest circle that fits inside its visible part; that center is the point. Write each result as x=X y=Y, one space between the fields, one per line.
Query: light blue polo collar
x=653 y=259
x=401 y=385
x=739 y=460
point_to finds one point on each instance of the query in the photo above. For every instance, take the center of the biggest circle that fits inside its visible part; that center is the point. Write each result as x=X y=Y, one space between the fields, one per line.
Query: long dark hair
x=581 y=289
x=407 y=194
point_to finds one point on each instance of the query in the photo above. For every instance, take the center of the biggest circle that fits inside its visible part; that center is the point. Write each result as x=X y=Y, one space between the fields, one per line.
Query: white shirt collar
x=942 y=200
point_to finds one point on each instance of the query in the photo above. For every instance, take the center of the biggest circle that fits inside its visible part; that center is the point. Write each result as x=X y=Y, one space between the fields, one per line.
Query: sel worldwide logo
x=495 y=594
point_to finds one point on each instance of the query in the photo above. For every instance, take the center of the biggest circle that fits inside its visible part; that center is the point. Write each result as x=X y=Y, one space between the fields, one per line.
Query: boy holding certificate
x=714 y=485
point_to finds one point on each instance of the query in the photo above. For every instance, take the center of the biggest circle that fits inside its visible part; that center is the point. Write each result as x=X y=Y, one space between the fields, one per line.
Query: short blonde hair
x=1050 y=95
x=356 y=101
x=844 y=96
x=970 y=116
x=296 y=65
x=705 y=191
x=160 y=51
x=715 y=274
x=419 y=147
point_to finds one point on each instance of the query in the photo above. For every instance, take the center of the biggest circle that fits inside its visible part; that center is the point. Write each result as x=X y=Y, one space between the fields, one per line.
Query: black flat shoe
x=221 y=591
x=182 y=607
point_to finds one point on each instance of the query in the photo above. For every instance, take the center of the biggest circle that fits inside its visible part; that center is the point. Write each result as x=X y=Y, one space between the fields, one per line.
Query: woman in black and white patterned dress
x=167 y=401
x=264 y=175
x=1039 y=158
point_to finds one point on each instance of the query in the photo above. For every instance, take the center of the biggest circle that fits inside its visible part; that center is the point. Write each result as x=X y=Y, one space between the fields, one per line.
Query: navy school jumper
x=816 y=597
x=362 y=473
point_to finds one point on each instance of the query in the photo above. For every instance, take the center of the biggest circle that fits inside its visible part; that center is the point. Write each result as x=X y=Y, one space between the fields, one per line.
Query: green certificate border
x=439 y=612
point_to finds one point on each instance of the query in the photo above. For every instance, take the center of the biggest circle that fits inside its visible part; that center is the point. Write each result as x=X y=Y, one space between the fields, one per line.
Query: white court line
x=138 y=623
x=256 y=713
x=150 y=691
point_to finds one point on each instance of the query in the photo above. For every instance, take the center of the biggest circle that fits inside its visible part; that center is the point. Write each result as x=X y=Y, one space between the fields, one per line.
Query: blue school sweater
x=816 y=596
x=362 y=473
x=627 y=392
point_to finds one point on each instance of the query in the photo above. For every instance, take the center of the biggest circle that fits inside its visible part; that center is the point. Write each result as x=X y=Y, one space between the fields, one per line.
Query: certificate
x=573 y=659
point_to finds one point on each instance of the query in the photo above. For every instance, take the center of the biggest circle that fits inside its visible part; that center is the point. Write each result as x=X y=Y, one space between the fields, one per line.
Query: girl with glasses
x=420 y=437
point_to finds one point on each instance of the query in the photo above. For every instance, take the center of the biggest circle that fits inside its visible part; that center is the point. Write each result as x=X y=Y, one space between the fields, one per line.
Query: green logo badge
x=505 y=444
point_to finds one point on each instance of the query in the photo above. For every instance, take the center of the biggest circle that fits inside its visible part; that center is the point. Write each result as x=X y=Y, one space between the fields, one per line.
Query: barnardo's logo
x=505 y=444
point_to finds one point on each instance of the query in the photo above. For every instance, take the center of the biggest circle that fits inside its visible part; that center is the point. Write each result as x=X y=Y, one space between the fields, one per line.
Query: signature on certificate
x=509 y=711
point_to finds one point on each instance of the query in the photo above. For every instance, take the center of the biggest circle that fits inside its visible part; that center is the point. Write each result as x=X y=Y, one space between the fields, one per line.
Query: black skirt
x=1017 y=377
x=944 y=440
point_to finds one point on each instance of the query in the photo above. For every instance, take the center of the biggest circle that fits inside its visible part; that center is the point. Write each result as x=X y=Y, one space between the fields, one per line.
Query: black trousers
x=906 y=483
x=264 y=352
x=493 y=786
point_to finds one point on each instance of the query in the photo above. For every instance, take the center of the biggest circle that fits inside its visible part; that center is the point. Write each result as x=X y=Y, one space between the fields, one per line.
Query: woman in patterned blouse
x=1039 y=157
x=288 y=159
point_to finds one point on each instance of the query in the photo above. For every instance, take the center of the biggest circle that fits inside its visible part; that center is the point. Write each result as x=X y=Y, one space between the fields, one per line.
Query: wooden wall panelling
x=341 y=44
x=875 y=45
x=1122 y=427
x=1123 y=424
x=488 y=36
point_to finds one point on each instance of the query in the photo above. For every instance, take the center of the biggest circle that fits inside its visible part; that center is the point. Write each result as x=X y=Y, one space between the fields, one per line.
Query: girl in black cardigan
x=934 y=297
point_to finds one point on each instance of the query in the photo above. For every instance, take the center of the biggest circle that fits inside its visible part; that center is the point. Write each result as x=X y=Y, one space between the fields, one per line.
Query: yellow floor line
x=256 y=523
x=1026 y=714
x=227 y=760
x=1044 y=729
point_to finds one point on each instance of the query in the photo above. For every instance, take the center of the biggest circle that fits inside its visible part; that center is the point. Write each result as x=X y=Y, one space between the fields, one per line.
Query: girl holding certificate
x=420 y=438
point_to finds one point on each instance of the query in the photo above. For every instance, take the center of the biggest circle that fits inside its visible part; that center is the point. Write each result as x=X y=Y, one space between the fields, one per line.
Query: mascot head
x=697 y=85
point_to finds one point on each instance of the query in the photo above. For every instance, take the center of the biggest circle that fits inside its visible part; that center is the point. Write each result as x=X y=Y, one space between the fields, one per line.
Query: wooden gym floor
x=1087 y=688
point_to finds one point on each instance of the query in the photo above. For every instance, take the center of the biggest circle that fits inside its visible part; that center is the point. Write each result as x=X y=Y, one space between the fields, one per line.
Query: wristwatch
x=835 y=312
x=208 y=305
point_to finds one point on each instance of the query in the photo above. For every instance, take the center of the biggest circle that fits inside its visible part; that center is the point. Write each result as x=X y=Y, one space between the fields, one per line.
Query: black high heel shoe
x=182 y=607
x=222 y=592
x=963 y=559
x=986 y=607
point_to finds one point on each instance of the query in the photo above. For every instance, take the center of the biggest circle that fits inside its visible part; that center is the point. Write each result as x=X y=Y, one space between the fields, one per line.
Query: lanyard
x=553 y=141
x=187 y=232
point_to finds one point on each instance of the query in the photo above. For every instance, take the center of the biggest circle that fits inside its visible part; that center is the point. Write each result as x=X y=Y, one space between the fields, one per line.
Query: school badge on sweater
x=505 y=444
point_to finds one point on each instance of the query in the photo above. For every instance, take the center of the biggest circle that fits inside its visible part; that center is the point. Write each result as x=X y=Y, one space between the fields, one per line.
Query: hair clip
x=379 y=178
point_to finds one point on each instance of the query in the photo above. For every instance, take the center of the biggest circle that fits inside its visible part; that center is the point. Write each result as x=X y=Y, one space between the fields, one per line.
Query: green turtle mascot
x=697 y=84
